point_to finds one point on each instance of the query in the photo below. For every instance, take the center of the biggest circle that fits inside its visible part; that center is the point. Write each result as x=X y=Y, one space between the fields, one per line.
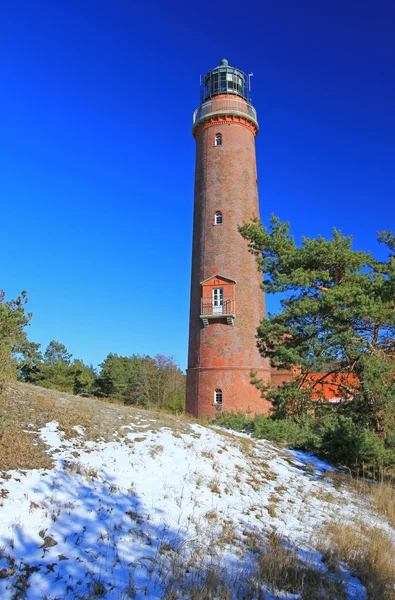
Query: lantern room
x=225 y=80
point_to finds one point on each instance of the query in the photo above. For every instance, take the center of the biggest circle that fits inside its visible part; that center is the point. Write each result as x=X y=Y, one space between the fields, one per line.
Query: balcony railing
x=225 y=105
x=227 y=307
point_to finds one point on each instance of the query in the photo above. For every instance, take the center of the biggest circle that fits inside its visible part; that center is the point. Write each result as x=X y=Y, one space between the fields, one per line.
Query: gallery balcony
x=209 y=312
x=225 y=105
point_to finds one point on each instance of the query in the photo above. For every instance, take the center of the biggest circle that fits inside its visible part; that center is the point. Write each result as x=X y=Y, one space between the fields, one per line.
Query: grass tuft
x=22 y=450
x=367 y=551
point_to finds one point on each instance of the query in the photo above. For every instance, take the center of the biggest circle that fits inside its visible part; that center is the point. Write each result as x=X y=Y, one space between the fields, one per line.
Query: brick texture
x=222 y=355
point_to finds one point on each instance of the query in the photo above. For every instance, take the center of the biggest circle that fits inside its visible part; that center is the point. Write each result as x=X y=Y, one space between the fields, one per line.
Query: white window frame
x=218 y=139
x=218 y=301
x=218 y=397
x=218 y=219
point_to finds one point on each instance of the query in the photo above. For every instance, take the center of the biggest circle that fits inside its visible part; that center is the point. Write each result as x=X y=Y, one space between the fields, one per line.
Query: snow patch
x=117 y=514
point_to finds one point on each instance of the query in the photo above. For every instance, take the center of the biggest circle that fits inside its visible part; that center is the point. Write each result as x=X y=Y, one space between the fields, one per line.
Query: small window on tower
x=218 y=397
x=218 y=139
x=218 y=218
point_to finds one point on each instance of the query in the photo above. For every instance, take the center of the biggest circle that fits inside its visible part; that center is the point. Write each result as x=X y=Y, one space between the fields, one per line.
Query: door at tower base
x=234 y=383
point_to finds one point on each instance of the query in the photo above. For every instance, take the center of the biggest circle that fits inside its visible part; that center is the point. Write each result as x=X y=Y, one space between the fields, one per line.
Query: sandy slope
x=155 y=511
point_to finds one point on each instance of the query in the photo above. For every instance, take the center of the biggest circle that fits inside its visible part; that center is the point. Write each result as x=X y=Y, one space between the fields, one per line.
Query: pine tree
x=338 y=309
x=16 y=352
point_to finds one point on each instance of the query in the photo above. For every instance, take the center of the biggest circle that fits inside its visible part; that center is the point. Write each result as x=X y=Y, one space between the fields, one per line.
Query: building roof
x=219 y=276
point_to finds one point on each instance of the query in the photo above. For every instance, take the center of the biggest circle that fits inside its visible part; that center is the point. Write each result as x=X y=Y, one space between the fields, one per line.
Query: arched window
x=218 y=218
x=218 y=397
x=218 y=139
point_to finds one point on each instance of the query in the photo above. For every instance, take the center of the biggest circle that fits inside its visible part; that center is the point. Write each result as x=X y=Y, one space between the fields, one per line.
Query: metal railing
x=230 y=105
x=227 y=307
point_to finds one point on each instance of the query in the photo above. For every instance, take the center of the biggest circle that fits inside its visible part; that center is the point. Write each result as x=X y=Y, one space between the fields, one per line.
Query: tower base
x=237 y=391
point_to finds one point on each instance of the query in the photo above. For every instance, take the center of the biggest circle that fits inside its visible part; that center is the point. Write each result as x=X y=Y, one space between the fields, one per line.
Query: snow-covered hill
x=159 y=507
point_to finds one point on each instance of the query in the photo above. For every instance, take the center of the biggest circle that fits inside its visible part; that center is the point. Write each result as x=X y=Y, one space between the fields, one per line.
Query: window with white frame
x=218 y=218
x=218 y=301
x=218 y=139
x=218 y=397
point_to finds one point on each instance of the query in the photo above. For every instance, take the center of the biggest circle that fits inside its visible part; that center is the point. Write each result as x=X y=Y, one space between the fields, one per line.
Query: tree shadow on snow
x=85 y=538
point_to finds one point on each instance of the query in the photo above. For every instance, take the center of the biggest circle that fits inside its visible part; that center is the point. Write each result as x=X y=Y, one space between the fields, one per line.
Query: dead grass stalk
x=367 y=551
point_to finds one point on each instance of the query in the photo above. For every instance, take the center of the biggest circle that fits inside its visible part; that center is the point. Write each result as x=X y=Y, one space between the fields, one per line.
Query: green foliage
x=15 y=349
x=57 y=355
x=139 y=380
x=154 y=382
x=284 y=431
x=231 y=420
x=84 y=378
x=116 y=375
x=286 y=399
x=344 y=442
x=142 y=380
x=281 y=431
x=373 y=404
x=330 y=435
x=338 y=309
x=175 y=402
x=54 y=370
x=57 y=370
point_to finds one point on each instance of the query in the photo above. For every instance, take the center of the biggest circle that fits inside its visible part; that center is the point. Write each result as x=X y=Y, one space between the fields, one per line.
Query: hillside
x=100 y=500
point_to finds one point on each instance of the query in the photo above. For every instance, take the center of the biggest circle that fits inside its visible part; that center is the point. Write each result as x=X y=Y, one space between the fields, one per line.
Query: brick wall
x=221 y=355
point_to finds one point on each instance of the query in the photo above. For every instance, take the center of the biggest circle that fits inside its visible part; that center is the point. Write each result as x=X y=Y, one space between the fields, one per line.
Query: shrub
x=346 y=443
x=236 y=421
x=281 y=431
x=175 y=404
x=331 y=435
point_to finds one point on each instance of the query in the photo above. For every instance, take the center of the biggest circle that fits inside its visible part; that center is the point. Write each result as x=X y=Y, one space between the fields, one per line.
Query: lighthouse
x=227 y=303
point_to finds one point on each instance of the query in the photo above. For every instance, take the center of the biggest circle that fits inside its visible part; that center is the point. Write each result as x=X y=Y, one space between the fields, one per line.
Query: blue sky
x=97 y=156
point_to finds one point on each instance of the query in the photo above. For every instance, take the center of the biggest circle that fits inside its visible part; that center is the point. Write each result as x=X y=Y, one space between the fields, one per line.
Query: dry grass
x=213 y=485
x=367 y=551
x=22 y=450
x=205 y=584
x=199 y=479
x=207 y=454
x=275 y=567
x=156 y=450
x=380 y=496
x=281 y=569
x=327 y=496
x=384 y=501
x=280 y=489
x=274 y=498
x=24 y=406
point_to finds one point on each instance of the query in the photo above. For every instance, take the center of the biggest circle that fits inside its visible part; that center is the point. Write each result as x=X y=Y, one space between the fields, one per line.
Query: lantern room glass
x=225 y=80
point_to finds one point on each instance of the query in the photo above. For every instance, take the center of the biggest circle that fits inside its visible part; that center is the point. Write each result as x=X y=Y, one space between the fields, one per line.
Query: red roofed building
x=331 y=387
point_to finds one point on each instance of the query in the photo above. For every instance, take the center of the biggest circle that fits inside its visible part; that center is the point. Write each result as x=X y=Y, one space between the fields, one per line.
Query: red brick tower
x=226 y=302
